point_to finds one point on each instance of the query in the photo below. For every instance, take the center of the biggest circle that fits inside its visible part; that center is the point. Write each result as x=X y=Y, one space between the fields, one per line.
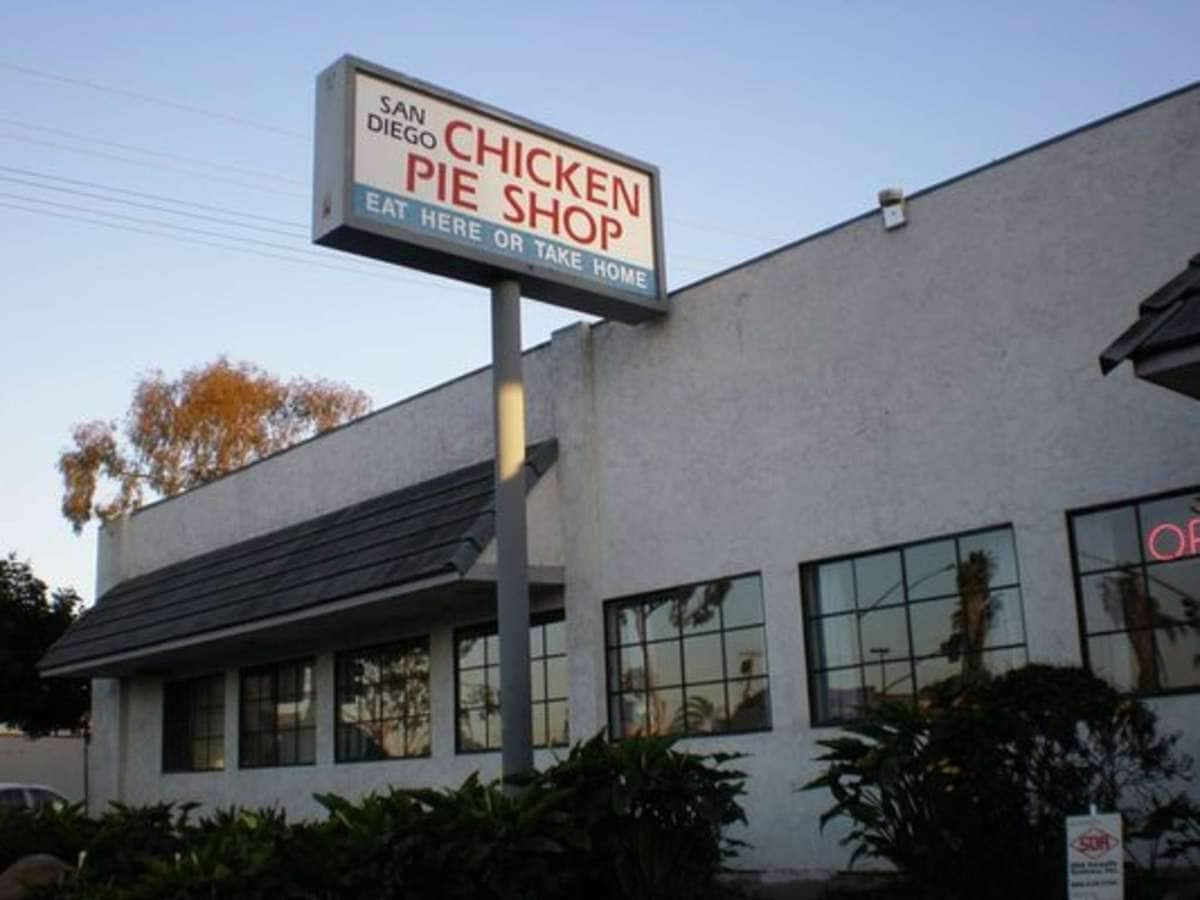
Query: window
x=383 y=702
x=887 y=624
x=690 y=660
x=194 y=724
x=277 y=721
x=477 y=684
x=1137 y=580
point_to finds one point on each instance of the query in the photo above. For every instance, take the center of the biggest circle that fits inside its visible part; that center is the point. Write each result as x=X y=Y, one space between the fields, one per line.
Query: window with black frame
x=194 y=724
x=1137 y=580
x=689 y=660
x=383 y=702
x=887 y=624
x=278 y=721
x=477 y=684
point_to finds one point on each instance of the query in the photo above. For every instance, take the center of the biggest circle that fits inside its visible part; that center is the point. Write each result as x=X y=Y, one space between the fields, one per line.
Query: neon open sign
x=1169 y=541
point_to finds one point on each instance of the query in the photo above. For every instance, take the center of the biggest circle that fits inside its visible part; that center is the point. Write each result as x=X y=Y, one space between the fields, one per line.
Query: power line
x=153 y=206
x=50 y=176
x=234 y=247
x=151 y=165
x=91 y=139
x=149 y=98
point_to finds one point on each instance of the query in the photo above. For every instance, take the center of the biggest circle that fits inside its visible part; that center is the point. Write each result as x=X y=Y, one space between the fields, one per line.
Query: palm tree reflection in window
x=1126 y=600
x=976 y=608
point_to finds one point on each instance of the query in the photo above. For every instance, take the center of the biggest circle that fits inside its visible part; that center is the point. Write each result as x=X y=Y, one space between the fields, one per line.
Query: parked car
x=29 y=796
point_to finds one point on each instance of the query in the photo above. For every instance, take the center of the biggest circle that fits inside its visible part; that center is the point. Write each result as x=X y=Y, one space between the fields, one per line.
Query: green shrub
x=981 y=776
x=634 y=820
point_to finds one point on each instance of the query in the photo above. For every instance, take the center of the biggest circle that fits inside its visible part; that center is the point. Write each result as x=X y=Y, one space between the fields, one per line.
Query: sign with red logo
x=1095 y=858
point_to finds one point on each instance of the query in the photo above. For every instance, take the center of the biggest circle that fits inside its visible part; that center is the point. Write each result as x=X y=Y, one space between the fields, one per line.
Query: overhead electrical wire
x=150 y=98
x=130 y=148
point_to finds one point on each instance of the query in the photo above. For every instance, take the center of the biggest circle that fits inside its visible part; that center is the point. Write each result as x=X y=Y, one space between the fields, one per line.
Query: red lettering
x=610 y=230
x=550 y=212
x=620 y=191
x=1194 y=535
x=596 y=182
x=451 y=128
x=1152 y=542
x=462 y=187
x=564 y=174
x=534 y=176
x=574 y=214
x=483 y=148
x=417 y=168
x=512 y=198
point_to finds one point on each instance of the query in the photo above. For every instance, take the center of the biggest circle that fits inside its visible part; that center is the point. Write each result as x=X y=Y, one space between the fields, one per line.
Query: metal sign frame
x=335 y=222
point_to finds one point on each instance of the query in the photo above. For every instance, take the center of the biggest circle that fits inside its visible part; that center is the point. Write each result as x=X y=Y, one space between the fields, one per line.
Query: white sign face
x=1095 y=858
x=413 y=174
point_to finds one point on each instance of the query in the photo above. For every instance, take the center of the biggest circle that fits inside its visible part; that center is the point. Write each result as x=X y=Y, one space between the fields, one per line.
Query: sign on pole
x=1095 y=857
x=413 y=174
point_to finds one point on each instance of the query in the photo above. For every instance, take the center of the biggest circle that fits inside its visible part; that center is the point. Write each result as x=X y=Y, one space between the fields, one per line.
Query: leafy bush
x=981 y=776
x=634 y=820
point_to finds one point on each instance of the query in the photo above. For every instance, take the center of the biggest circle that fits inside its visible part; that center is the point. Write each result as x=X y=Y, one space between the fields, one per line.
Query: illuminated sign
x=1169 y=541
x=410 y=173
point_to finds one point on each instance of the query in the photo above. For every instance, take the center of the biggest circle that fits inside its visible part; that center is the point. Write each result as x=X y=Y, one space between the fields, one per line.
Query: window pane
x=930 y=570
x=1104 y=540
x=1114 y=658
x=1179 y=657
x=417 y=739
x=538 y=712
x=470 y=651
x=935 y=669
x=1005 y=621
x=633 y=668
x=623 y=625
x=556 y=637
x=744 y=603
x=998 y=546
x=884 y=634
x=889 y=681
x=632 y=709
x=1105 y=596
x=663 y=664
x=706 y=708
x=933 y=625
x=472 y=687
x=700 y=610
x=1175 y=593
x=665 y=711
x=660 y=620
x=556 y=677
x=1000 y=661
x=879 y=580
x=834 y=641
x=556 y=711
x=493 y=729
x=537 y=645
x=702 y=658
x=745 y=653
x=750 y=705
x=537 y=679
x=306 y=751
x=838 y=694
x=834 y=588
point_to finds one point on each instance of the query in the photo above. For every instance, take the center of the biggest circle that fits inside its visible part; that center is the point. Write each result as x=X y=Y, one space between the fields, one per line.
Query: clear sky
x=768 y=121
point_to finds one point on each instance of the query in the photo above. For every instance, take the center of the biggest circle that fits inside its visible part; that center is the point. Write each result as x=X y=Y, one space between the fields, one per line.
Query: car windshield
x=40 y=797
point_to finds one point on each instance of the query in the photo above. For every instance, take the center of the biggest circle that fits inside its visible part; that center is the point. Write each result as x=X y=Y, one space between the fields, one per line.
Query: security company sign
x=413 y=174
x=1095 y=858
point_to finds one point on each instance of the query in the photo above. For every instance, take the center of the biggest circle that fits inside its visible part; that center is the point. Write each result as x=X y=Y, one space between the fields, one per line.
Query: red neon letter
x=1180 y=537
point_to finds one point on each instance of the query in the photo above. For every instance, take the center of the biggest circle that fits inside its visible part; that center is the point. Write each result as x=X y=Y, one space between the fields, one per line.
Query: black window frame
x=173 y=690
x=273 y=669
x=813 y=672
x=490 y=629
x=1077 y=576
x=397 y=648
x=645 y=597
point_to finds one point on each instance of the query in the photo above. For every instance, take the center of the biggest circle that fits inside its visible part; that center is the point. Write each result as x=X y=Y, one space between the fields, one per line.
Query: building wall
x=856 y=390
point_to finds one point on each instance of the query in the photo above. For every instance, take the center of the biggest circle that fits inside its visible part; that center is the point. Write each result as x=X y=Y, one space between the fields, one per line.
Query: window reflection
x=898 y=621
x=689 y=661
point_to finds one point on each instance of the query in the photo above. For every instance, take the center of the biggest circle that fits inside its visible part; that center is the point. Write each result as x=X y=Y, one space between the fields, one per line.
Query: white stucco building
x=828 y=443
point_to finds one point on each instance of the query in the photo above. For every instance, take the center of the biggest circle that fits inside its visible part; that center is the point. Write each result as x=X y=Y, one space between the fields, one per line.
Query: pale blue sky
x=768 y=121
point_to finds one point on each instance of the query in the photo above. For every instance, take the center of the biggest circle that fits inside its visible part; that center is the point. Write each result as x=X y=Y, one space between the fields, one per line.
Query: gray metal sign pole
x=512 y=581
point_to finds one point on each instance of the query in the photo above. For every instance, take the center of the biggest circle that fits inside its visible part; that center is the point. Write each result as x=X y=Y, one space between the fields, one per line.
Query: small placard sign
x=413 y=174
x=1095 y=857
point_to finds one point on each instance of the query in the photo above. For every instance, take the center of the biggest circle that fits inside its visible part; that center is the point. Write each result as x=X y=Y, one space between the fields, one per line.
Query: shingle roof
x=1168 y=318
x=436 y=527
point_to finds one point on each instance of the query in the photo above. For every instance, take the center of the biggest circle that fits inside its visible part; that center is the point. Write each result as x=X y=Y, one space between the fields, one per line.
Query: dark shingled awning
x=435 y=528
x=1164 y=343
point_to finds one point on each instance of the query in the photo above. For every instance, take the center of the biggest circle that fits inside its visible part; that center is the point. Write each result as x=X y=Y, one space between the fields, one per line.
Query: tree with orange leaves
x=183 y=433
